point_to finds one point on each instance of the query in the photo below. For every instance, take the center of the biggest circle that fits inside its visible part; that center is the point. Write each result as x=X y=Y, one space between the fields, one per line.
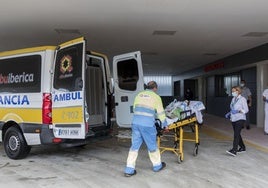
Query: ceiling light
x=149 y=53
x=210 y=54
x=164 y=32
x=68 y=31
x=255 y=34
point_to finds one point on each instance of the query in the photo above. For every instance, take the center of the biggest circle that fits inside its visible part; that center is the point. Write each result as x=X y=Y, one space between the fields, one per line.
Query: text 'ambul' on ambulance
x=63 y=95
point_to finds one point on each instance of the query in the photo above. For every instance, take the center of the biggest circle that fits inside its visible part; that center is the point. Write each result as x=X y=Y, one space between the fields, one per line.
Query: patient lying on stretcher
x=178 y=110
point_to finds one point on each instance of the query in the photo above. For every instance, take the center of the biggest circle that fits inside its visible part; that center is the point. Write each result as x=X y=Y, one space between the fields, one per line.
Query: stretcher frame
x=177 y=128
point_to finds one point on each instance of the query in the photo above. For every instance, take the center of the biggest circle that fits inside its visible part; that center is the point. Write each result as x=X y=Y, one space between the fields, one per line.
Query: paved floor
x=222 y=127
x=101 y=164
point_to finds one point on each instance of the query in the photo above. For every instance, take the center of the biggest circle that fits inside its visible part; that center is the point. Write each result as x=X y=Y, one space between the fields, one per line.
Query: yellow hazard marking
x=221 y=136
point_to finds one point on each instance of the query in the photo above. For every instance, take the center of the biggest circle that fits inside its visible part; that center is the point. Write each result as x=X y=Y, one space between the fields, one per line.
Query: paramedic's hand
x=164 y=124
x=166 y=130
x=228 y=115
x=234 y=111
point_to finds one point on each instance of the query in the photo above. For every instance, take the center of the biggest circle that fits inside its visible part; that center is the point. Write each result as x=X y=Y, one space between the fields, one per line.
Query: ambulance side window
x=128 y=74
x=68 y=68
x=20 y=74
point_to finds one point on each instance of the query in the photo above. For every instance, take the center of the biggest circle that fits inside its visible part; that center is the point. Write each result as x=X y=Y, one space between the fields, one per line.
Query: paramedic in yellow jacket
x=147 y=107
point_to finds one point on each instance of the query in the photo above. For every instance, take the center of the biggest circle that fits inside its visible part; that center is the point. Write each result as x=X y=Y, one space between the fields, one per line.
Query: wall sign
x=214 y=66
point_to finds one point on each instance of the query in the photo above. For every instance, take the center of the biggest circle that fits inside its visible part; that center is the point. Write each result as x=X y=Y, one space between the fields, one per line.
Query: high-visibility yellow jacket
x=148 y=106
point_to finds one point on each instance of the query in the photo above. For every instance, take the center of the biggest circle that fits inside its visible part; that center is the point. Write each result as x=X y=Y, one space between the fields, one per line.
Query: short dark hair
x=151 y=85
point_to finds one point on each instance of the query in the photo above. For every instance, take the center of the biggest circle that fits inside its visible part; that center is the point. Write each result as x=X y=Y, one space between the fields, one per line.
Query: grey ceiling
x=173 y=35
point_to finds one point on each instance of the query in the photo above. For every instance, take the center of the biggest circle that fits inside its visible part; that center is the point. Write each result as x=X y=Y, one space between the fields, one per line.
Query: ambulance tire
x=15 y=144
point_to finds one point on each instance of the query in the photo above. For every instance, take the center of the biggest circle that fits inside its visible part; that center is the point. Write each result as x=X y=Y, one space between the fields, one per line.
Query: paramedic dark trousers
x=237 y=127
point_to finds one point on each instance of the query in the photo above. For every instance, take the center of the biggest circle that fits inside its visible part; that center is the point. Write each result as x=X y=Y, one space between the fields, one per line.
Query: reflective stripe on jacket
x=147 y=107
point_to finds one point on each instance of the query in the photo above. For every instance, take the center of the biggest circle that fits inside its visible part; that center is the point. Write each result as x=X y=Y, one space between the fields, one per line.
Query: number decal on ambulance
x=70 y=115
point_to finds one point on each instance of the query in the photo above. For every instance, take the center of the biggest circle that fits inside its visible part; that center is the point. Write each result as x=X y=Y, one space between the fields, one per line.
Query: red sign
x=214 y=66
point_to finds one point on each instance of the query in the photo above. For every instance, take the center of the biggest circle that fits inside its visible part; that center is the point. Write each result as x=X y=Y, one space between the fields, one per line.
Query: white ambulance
x=63 y=95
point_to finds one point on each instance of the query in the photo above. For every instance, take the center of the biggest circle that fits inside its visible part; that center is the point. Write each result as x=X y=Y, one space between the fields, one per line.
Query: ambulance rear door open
x=128 y=82
x=68 y=107
x=98 y=89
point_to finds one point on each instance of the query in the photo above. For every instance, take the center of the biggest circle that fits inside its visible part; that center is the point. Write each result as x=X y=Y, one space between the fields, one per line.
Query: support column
x=262 y=83
x=200 y=88
x=182 y=89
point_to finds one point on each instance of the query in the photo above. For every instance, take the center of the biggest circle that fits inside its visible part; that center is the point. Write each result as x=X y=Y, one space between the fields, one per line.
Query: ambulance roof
x=26 y=50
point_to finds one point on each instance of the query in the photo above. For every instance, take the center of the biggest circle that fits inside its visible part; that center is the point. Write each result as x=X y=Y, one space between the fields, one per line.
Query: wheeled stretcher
x=177 y=129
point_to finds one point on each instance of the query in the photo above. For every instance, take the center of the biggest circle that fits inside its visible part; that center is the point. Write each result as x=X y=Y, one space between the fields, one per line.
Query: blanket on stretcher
x=174 y=109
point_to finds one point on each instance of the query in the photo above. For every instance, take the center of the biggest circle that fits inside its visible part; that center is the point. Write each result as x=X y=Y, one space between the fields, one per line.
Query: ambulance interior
x=96 y=91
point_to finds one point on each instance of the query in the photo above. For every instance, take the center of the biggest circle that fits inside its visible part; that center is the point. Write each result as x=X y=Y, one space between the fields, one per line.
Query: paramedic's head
x=152 y=85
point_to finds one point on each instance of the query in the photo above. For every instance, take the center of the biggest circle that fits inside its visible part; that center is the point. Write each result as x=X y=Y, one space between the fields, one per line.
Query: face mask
x=234 y=94
x=242 y=85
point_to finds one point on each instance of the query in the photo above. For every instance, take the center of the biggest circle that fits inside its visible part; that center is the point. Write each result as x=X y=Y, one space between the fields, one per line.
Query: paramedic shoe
x=231 y=152
x=129 y=175
x=241 y=150
x=162 y=167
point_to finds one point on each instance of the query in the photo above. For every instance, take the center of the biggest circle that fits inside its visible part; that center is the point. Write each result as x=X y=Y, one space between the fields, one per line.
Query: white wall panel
x=164 y=84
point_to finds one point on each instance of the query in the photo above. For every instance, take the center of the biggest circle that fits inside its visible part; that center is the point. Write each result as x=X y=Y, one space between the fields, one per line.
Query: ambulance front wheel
x=15 y=144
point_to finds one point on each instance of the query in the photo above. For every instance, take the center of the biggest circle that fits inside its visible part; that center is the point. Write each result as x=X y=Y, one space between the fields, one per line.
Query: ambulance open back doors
x=61 y=95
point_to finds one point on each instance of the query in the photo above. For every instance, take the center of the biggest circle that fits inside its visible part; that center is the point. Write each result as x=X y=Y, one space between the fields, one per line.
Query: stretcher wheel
x=195 y=150
x=179 y=159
